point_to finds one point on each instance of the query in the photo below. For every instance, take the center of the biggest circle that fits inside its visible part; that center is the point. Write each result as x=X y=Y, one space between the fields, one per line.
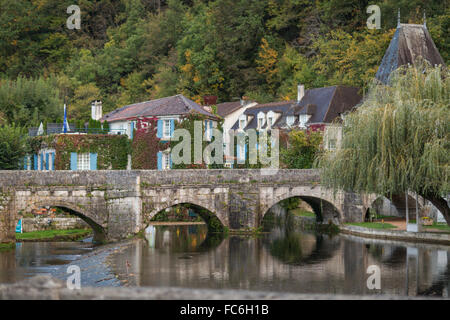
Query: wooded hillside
x=135 y=50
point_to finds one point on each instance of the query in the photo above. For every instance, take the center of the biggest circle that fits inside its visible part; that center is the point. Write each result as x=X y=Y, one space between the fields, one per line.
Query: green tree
x=398 y=140
x=28 y=101
x=301 y=150
x=13 y=147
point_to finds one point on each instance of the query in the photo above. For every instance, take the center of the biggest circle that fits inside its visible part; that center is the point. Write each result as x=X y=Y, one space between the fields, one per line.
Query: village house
x=166 y=112
x=230 y=113
x=315 y=110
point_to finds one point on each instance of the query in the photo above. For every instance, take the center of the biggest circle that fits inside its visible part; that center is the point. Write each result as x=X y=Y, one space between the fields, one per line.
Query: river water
x=281 y=260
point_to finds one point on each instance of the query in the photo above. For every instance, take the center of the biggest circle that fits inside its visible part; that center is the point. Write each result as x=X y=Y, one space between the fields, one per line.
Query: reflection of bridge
x=119 y=203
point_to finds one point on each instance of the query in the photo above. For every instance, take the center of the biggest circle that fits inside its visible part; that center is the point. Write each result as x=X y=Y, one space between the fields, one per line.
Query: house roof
x=277 y=107
x=226 y=108
x=174 y=105
x=409 y=42
x=326 y=104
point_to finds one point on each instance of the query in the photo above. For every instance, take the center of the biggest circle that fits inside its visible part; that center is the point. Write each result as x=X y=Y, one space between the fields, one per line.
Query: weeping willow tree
x=398 y=139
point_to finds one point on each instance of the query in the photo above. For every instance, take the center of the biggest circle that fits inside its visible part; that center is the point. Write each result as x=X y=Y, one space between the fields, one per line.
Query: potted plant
x=427 y=221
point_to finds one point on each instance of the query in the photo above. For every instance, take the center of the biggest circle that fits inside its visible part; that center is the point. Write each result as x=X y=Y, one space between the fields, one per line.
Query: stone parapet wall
x=47 y=288
x=124 y=179
x=40 y=224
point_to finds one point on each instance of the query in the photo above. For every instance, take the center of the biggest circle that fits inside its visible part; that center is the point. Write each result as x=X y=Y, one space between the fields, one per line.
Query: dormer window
x=270 y=119
x=290 y=120
x=242 y=122
x=261 y=119
x=303 y=119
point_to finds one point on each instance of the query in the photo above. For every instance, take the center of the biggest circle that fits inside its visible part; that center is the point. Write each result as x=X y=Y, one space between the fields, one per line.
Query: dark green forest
x=135 y=50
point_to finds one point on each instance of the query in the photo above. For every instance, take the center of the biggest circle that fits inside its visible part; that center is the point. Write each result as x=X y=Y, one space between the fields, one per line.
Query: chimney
x=96 y=110
x=300 y=92
x=244 y=100
x=209 y=100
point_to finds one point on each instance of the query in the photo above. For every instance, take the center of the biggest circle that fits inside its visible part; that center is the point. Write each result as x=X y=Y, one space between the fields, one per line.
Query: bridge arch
x=210 y=217
x=396 y=201
x=324 y=203
x=82 y=213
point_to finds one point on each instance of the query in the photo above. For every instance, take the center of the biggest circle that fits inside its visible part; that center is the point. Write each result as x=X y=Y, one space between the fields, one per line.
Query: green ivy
x=112 y=150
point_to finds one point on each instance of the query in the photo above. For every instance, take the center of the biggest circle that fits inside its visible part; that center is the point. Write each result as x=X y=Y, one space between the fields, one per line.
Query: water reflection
x=290 y=261
x=281 y=260
x=33 y=258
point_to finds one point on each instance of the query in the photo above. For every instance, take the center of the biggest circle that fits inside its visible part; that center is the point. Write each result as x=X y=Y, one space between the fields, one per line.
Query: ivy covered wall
x=145 y=147
x=112 y=150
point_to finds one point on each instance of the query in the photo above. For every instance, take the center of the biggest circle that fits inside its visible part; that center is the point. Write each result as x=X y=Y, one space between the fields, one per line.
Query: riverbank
x=53 y=235
x=417 y=237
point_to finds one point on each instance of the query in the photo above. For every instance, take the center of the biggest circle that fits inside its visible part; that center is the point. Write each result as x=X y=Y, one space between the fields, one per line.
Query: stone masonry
x=117 y=204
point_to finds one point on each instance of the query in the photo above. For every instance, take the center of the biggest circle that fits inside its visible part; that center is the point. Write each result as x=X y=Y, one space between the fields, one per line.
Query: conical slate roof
x=410 y=41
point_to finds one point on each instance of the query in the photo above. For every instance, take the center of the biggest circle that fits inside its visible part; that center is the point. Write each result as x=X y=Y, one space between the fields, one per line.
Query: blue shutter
x=159 y=156
x=93 y=161
x=170 y=160
x=47 y=161
x=210 y=129
x=172 y=127
x=53 y=161
x=245 y=152
x=160 y=129
x=35 y=162
x=73 y=161
x=132 y=129
x=41 y=167
x=25 y=163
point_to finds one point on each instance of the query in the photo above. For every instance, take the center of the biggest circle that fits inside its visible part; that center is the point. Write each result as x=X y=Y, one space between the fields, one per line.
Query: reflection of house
x=165 y=111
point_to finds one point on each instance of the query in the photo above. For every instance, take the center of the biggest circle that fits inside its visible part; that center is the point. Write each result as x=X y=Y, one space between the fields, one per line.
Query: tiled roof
x=323 y=104
x=277 y=107
x=224 y=109
x=326 y=104
x=175 y=105
x=409 y=42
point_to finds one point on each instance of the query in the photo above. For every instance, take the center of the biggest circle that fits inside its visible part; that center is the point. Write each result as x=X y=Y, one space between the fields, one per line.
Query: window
x=166 y=161
x=83 y=161
x=28 y=162
x=241 y=152
x=290 y=120
x=269 y=122
x=331 y=144
x=260 y=122
x=167 y=128
x=303 y=119
x=242 y=123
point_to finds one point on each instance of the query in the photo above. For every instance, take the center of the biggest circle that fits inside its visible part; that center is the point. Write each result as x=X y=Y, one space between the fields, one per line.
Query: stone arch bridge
x=117 y=204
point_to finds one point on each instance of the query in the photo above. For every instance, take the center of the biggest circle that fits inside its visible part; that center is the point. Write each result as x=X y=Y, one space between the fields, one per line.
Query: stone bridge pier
x=117 y=204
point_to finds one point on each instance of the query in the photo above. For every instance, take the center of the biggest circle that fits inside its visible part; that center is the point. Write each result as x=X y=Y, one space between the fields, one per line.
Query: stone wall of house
x=40 y=224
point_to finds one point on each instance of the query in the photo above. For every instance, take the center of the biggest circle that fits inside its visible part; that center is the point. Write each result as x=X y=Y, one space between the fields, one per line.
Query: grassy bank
x=440 y=226
x=302 y=213
x=53 y=235
x=372 y=225
x=7 y=246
